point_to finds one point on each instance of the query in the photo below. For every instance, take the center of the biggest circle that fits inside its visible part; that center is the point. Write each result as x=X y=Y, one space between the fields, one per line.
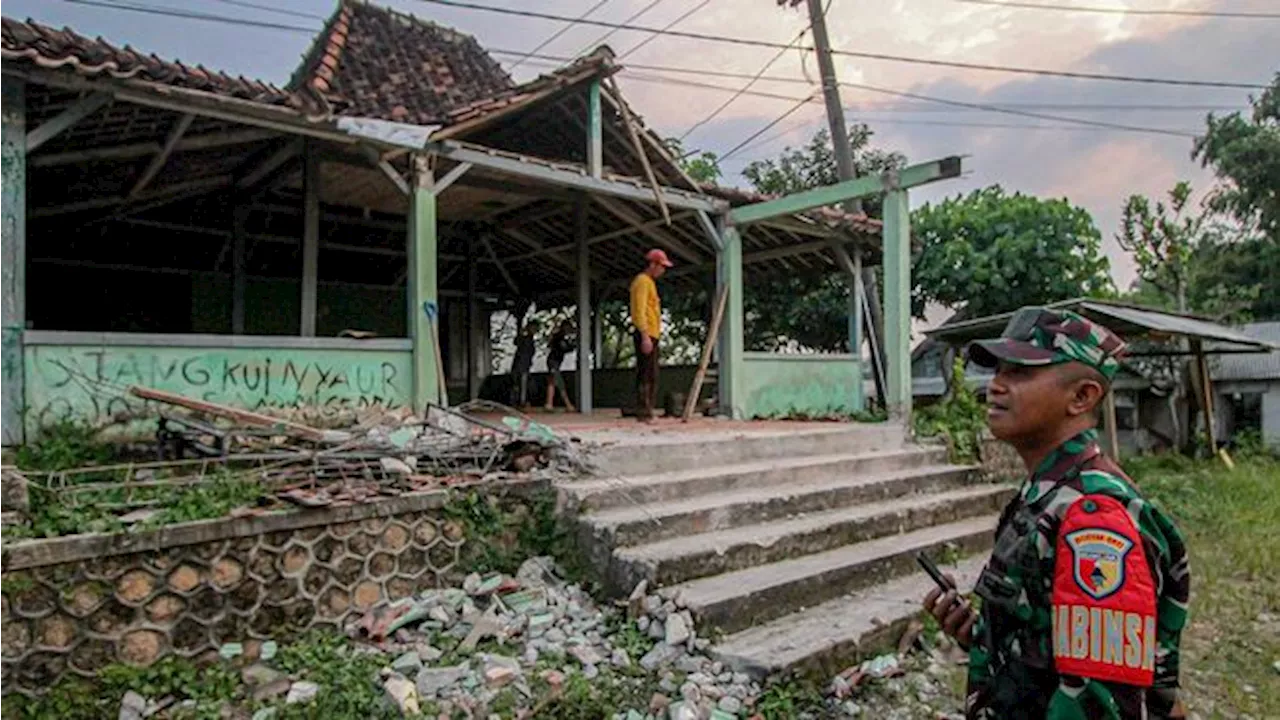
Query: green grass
x=1232 y=523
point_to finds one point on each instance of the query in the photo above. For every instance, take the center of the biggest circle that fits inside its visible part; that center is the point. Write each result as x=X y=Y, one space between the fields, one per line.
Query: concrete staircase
x=794 y=548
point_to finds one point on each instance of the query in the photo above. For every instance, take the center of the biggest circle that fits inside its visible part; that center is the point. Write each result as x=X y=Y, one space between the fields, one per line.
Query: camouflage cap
x=1040 y=336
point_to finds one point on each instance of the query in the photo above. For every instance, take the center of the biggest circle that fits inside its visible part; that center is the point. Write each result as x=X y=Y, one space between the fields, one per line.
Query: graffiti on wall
x=91 y=383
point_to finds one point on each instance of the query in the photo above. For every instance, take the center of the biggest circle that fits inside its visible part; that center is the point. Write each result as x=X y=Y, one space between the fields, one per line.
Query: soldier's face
x=1025 y=403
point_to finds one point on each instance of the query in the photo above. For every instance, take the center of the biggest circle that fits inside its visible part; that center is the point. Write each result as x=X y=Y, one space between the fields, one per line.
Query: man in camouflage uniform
x=1071 y=623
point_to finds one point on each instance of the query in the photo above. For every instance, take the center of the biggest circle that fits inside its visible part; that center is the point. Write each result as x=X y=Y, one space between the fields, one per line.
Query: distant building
x=1247 y=388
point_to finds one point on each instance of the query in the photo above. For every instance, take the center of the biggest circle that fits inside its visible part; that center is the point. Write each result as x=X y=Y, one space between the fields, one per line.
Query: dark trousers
x=646 y=378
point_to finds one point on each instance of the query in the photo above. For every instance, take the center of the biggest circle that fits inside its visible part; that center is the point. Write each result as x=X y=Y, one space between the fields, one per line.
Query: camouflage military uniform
x=1040 y=593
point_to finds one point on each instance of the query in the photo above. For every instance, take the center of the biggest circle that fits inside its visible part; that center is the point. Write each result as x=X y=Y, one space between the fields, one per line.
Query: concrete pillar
x=729 y=273
x=1271 y=416
x=597 y=334
x=13 y=269
x=424 y=310
x=897 y=302
x=239 y=215
x=855 y=324
x=584 y=307
x=595 y=135
x=310 y=238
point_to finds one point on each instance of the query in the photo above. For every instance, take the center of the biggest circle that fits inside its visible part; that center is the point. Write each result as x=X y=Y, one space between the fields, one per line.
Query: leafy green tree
x=989 y=252
x=814 y=164
x=703 y=167
x=1244 y=153
x=1191 y=261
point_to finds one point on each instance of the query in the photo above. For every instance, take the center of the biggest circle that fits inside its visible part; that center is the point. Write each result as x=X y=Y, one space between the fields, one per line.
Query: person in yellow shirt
x=646 y=321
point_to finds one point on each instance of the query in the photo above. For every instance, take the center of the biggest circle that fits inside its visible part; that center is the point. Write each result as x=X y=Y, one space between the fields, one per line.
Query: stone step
x=694 y=556
x=828 y=637
x=736 y=600
x=615 y=492
x=642 y=524
x=709 y=448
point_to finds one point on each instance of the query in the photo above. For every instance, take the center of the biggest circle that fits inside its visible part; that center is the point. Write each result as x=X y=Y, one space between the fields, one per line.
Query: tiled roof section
x=391 y=65
x=598 y=62
x=832 y=217
x=30 y=43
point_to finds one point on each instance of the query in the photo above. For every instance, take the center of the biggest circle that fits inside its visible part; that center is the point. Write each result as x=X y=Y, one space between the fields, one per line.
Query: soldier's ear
x=1087 y=394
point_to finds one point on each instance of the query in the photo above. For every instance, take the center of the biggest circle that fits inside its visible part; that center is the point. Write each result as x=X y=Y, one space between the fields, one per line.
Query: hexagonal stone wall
x=189 y=598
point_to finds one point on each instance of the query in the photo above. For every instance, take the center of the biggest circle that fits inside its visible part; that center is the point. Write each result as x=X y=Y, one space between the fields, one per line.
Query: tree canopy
x=991 y=252
x=1244 y=152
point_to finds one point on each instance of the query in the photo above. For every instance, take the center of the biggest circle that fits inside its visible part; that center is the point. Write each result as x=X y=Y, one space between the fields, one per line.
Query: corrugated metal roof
x=1128 y=321
x=1260 y=366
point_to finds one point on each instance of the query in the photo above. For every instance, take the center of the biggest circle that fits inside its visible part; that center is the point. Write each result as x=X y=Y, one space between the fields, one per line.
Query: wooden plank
x=136 y=150
x=638 y=147
x=51 y=128
x=625 y=214
x=282 y=155
x=1206 y=394
x=452 y=176
x=502 y=268
x=849 y=189
x=712 y=333
x=153 y=168
x=247 y=417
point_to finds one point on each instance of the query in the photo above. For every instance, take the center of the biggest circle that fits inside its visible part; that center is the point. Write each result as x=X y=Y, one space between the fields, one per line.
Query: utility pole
x=846 y=171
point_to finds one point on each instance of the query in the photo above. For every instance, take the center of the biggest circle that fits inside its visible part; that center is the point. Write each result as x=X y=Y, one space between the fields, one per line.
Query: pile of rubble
x=539 y=629
x=381 y=453
x=921 y=681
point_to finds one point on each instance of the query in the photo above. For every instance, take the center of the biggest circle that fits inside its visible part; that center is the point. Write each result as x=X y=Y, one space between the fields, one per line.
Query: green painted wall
x=807 y=385
x=83 y=381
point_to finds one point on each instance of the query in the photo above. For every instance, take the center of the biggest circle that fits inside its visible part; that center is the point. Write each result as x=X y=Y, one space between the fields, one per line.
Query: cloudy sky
x=1096 y=168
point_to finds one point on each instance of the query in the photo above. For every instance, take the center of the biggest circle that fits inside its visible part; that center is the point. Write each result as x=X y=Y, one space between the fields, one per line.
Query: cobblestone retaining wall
x=78 y=604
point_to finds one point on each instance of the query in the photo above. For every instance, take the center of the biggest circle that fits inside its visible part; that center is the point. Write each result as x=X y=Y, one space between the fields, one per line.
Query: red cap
x=658 y=256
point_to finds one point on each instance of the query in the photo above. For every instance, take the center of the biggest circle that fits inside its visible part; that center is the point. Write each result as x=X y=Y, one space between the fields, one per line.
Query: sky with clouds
x=1095 y=168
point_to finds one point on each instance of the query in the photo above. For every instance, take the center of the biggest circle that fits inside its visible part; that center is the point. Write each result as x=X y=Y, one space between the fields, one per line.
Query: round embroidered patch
x=1089 y=506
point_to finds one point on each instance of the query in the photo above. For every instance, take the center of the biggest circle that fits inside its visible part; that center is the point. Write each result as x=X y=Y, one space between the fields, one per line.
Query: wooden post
x=855 y=326
x=1206 y=394
x=595 y=137
x=421 y=246
x=713 y=331
x=897 y=301
x=1113 y=431
x=473 y=386
x=310 y=238
x=13 y=141
x=239 y=216
x=585 y=403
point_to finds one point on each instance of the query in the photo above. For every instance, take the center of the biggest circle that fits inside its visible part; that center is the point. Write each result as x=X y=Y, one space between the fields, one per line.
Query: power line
x=745 y=88
x=270 y=9
x=766 y=128
x=174 y=12
x=850 y=53
x=666 y=27
x=558 y=60
x=155 y=10
x=556 y=35
x=606 y=36
x=958 y=103
x=1126 y=11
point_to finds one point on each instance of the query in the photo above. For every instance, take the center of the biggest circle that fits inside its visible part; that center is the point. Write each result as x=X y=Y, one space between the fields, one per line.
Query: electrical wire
x=606 y=36
x=666 y=27
x=1127 y=11
x=155 y=10
x=770 y=126
x=745 y=88
x=850 y=53
x=556 y=35
x=268 y=8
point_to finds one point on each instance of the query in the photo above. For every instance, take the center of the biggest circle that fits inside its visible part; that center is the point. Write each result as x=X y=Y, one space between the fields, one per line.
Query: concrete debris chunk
x=431 y=681
x=661 y=654
x=302 y=691
x=132 y=706
x=677 y=630
x=403 y=694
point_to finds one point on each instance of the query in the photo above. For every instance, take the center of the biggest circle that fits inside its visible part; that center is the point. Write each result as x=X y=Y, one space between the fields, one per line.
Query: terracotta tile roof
x=33 y=44
x=376 y=62
x=832 y=217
